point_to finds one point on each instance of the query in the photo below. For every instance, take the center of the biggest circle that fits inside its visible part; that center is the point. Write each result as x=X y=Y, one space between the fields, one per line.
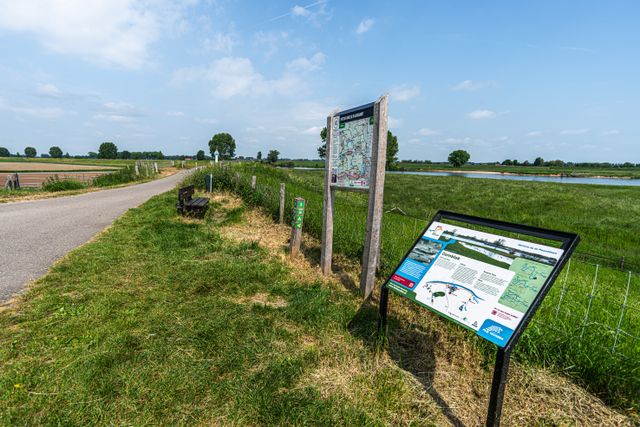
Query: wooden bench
x=187 y=204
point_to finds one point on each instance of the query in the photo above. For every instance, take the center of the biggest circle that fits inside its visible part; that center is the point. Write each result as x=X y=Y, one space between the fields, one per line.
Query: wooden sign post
x=370 y=122
x=296 y=226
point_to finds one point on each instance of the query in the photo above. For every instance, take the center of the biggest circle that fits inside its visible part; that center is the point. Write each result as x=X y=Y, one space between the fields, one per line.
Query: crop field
x=48 y=166
x=589 y=324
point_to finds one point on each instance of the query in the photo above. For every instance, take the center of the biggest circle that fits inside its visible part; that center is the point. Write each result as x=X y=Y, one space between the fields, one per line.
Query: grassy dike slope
x=164 y=320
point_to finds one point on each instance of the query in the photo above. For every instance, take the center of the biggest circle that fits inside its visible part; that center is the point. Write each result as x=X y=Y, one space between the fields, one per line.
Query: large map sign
x=351 y=147
x=482 y=281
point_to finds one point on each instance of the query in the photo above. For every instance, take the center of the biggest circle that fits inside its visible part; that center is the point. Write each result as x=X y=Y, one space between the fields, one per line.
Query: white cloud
x=471 y=86
x=575 y=131
x=481 y=114
x=610 y=132
x=234 y=76
x=269 y=42
x=365 y=25
x=48 y=90
x=427 y=132
x=534 y=133
x=300 y=11
x=175 y=114
x=404 y=92
x=45 y=113
x=104 y=31
x=220 y=42
x=118 y=112
x=303 y=64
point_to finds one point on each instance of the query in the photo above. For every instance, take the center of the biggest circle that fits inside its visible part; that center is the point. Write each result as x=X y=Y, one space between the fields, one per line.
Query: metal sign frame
x=568 y=241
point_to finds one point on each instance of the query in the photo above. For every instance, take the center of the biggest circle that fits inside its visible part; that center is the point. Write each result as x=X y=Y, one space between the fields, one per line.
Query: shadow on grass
x=412 y=349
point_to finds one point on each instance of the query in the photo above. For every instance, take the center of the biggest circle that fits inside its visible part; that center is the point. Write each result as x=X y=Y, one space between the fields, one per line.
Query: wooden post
x=282 y=203
x=296 y=226
x=137 y=169
x=211 y=183
x=376 y=191
x=326 y=249
x=155 y=166
x=253 y=182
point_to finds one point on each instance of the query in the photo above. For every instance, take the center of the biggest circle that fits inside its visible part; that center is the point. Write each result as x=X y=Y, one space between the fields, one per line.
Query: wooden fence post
x=296 y=226
x=282 y=203
x=253 y=182
x=371 y=251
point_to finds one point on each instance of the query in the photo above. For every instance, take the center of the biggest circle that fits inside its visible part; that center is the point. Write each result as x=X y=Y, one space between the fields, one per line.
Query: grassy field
x=171 y=321
x=575 y=328
x=621 y=172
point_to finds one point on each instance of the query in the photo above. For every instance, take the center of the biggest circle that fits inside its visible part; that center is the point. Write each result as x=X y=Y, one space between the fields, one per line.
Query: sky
x=500 y=79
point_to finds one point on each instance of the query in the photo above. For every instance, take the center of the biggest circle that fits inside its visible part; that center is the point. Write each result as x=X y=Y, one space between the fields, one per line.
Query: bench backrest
x=185 y=193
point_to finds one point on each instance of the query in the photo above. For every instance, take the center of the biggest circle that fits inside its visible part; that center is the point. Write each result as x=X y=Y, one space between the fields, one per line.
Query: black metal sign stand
x=501 y=368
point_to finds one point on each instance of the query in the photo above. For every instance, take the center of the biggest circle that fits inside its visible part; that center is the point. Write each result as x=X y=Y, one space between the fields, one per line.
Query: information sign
x=483 y=281
x=351 y=147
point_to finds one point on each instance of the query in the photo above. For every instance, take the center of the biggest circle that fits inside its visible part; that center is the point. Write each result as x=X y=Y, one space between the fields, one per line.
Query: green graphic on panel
x=525 y=285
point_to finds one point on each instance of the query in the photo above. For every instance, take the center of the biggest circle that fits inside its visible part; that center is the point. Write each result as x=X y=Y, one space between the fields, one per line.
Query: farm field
x=633 y=172
x=589 y=324
x=211 y=324
x=48 y=166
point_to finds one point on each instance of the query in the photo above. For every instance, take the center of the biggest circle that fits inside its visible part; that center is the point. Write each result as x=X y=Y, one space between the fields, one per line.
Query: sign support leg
x=326 y=249
x=384 y=310
x=498 y=385
x=376 y=189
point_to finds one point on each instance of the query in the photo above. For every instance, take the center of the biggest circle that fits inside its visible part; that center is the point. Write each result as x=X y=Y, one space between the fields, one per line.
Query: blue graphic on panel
x=495 y=332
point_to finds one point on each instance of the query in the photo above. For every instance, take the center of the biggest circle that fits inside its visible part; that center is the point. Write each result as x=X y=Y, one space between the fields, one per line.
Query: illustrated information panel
x=351 y=148
x=484 y=282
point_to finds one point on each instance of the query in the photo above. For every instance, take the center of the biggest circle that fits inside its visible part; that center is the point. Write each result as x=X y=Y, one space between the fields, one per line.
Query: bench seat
x=187 y=204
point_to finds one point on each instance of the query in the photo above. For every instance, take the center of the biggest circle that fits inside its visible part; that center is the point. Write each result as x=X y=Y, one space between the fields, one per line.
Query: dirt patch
x=265 y=300
x=442 y=371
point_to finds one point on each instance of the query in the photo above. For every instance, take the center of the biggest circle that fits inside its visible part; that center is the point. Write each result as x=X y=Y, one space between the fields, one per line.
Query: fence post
x=155 y=165
x=622 y=263
x=296 y=226
x=282 y=203
x=253 y=182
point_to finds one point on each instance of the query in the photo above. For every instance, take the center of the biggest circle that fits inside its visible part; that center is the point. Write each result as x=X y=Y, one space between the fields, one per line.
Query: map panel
x=351 y=148
x=482 y=281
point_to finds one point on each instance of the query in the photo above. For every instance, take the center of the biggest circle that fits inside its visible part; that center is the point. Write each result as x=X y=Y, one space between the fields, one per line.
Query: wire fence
x=589 y=321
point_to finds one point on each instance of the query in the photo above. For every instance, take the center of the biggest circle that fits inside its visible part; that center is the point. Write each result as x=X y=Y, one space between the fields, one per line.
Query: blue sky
x=500 y=79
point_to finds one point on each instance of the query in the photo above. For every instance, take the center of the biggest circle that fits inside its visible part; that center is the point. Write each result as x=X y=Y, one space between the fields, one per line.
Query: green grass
x=574 y=171
x=54 y=184
x=154 y=324
x=605 y=217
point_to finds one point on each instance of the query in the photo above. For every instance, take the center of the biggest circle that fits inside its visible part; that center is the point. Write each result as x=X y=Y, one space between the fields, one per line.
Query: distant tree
x=272 y=157
x=539 y=161
x=124 y=155
x=108 y=150
x=224 y=144
x=526 y=163
x=200 y=155
x=55 y=152
x=507 y=162
x=45 y=156
x=93 y=155
x=459 y=157
x=4 y=152
x=515 y=162
x=392 y=150
x=30 y=152
x=67 y=155
x=322 y=149
x=259 y=156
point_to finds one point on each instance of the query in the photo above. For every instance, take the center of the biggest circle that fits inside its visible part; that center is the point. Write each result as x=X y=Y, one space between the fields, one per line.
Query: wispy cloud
x=365 y=25
x=45 y=113
x=610 y=132
x=534 y=133
x=473 y=85
x=577 y=49
x=404 y=92
x=220 y=42
x=427 y=132
x=48 y=90
x=575 y=131
x=307 y=11
x=482 y=114
x=106 y=32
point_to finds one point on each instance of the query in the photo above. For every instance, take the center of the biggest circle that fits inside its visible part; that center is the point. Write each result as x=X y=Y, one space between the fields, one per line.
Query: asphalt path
x=34 y=234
